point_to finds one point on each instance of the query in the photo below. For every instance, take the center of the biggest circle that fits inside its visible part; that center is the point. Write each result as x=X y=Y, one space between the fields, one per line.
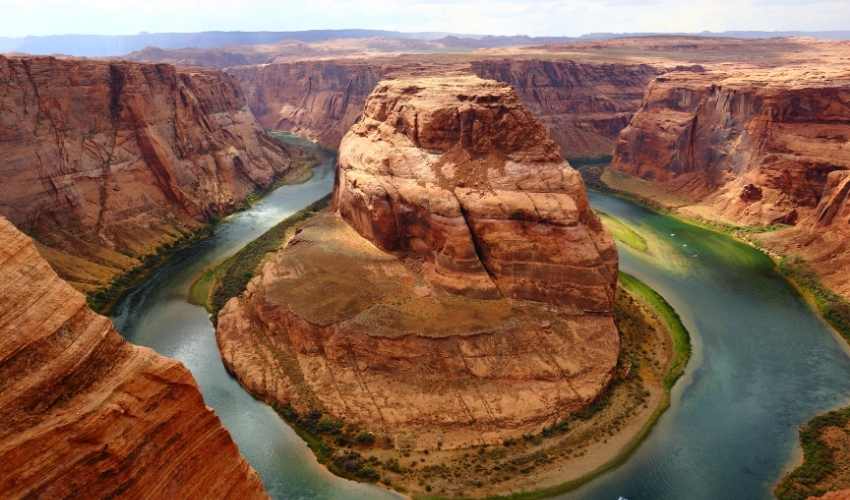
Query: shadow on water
x=157 y=315
x=764 y=364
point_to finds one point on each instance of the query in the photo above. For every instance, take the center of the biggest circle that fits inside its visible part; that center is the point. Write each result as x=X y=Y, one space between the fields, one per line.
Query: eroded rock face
x=750 y=147
x=584 y=106
x=85 y=413
x=315 y=99
x=754 y=148
x=104 y=162
x=461 y=294
x=459 y=174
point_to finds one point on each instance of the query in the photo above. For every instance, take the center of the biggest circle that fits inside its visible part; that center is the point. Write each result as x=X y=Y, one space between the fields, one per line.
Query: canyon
x=584 y=105
x=764 y=148
x=85 y=413
x=474 y=290
x=451 y=279
x=106 y=163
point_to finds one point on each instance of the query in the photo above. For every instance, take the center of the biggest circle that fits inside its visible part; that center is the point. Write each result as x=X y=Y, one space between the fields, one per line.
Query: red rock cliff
x=584 y=105
x=753 y=148
x=104 y=162
x=85 y=414
x=316 y=99
x=461 y=295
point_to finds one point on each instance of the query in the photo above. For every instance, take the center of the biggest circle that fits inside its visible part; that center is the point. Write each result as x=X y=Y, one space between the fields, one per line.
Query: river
x=763 y=363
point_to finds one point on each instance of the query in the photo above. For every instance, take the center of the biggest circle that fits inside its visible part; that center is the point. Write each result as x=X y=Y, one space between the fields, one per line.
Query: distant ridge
x=118 y=45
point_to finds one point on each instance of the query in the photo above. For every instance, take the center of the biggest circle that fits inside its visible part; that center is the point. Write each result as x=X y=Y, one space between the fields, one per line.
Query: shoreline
x=121 y=284
x=625 y=442
x=802 y=458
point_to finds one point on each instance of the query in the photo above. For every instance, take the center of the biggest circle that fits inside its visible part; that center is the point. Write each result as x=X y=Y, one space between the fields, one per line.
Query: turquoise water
x=763 y=362
x=157 y=315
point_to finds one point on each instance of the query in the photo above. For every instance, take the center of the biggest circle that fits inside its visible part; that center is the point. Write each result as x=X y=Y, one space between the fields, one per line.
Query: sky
x=497 y=17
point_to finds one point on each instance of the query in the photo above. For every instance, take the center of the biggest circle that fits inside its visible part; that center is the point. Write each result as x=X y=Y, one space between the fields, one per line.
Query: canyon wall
x=584 y=105
x=460 y=294
x=105 y=162
x=85 y=414
x=755 y=148
x=316 y=99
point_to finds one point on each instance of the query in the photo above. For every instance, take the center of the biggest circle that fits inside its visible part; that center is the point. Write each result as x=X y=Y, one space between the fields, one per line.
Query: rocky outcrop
x=85 y=413
x=459 y=174
x=460 y=294
x=584 y=105
x=754 y=147
x=104 y=162
x=749 y=147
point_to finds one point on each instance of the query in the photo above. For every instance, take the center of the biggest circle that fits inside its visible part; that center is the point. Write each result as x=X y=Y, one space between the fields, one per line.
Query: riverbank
x=655 y=350
x=823 y=439
x=104 y=299
x=227 y=279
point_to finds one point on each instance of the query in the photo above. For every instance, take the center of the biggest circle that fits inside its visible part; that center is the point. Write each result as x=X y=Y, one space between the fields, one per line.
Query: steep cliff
x=754 y=147
x=316 y=99
x=462 y=292
x=584 y=105
x=85 y=414
x=105 y=162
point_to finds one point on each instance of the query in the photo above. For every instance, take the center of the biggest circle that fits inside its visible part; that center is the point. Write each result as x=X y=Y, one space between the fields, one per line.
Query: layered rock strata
x=460 y=294
x=104 y=162
x=755 y=147
x=85 y=414
x=584 y=105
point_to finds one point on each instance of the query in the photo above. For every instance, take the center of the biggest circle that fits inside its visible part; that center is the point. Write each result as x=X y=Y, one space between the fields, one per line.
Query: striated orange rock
x=315 y=99
x=103 y=162
x=584 y=105
x=461 y=293
x=85 y=414
x=753 y=147
x=458 y=173
x=749 y=146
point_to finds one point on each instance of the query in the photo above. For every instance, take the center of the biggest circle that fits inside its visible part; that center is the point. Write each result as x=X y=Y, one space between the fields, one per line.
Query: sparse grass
x=627 y=320
x=229 y=278
x=678 y=333
x=808 y=479
x=834 y=308
x=104 y=299
x=623 y=233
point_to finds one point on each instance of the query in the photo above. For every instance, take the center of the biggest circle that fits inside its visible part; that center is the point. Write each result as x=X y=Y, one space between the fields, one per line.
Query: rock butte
x=103 y=162
x=85 y=413
x=755 y=148
x=460 y=294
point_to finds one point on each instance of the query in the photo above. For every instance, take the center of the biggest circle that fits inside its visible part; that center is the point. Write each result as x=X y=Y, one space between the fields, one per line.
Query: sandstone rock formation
x=584 y=105
x=104 y=162
x=85 y=414
x=462 y=292
x=754 y=147
x=315 y=99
